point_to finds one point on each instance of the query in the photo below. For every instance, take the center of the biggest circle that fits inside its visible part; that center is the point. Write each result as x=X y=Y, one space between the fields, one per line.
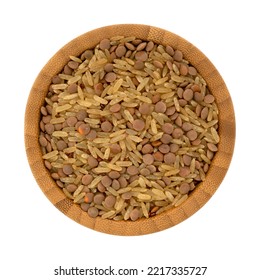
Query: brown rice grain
x=181 y=200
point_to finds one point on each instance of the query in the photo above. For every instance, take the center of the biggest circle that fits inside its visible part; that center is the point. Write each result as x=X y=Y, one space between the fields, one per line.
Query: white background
x=224 y=235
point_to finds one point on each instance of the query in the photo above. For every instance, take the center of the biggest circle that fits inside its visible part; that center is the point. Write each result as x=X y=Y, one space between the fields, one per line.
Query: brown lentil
x=114 y=174
x=132 y=170
x=149 y=46
x=158 y=156
x=147 y=149
x=115 y=184
x=169 y=50
x=167 y=128
x=98 y=88
x=104 y=44
x=170 y=111
x=198 y=96
x=67 y=169
x=71 y=121
x=56 y=80
x=87 y=179
x=164 y=149
x=169 y=158
x=184 y=188
x=186 y=159
x=91 y=135
x=101 y=187
x=135 y=214
x=98 y=198
x=88 y=54
x=139 y=65
x=145 y=109
x=61 y=173
x=141 y=55
x=81 y=115
x=93 y=212
x=148 y=159
x=84 y=206
x=177 y=133
x=115 y=148
x=192 y=134
x=166 y=139
x=72 y=88
x=145 y=172
x=49 y=128
x=67 y=70
x=156 y=98
x=106 y=126
x=126 y=195
x=120 y=51
x=186 y=126
x=141 y=46
x=184 y=69
x=130 y=46
x=138 y=124
x=115 y=108
x=174 y=148
x=188 y=94
x=71 y=188
x=178 y=56
x=110 y=77
x=106 y=181
x=73 y=64
x=184 y=171
x=160 y=107
x=110 y=201
x=152 y=168
x=212 y=147
x=192 y=71
x=204 y=113
x=92 y=162
x=122 y=181
x=43 y=141
x=108 y=68
x=209 y=98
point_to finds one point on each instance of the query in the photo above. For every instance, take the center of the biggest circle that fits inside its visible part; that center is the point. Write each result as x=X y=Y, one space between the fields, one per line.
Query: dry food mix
x=128 y=129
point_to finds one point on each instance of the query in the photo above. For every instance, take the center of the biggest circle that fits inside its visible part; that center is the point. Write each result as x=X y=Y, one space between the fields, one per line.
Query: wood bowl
x=204 y=190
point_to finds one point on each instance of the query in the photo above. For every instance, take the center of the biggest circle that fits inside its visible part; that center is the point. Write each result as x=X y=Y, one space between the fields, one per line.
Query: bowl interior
x=218 y=167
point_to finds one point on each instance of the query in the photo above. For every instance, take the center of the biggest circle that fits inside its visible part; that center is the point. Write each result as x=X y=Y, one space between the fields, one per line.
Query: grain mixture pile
x=128 y=129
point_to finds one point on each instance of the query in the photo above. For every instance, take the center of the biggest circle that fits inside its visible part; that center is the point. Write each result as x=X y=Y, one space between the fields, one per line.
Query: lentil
x=167 y=128
x=67 y=169
x=92 y=162
x=148 y=159
x=184 y=188
x=138 y=125
x=87 y=179
x=93 y=212
x=98 y=198
x=132 y=170
x=110 y=201
x=160 y=107
x=104 y=44
x=106 y=126
x=169 y=158
x=106 y=181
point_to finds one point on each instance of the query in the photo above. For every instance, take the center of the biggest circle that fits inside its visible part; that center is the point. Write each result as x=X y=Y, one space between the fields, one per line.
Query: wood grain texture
x=198 y=197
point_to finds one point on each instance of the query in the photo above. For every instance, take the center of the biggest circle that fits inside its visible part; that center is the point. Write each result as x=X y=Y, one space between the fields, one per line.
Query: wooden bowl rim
x=199 y=196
